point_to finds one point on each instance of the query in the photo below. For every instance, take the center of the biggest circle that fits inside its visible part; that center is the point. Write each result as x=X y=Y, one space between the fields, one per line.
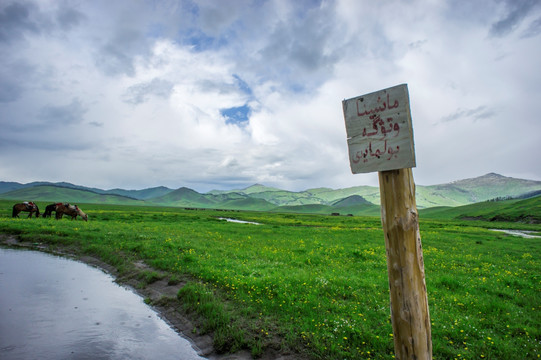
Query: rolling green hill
x=306 y=209
x=456 y=193
x=329 y=196
x=62 y=194
x=183 y=197
x=282 y=197
x=246 y=204
x=264 y=198
x=144 y=194
x=523 y=210
x=491 y=185
x=6 y=186
x=473 y=190
x=351 y=201
x=135 y=194
x=254 y=189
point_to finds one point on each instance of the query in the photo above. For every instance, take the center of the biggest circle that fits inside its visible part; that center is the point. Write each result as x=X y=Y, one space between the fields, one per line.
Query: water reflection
x=522 y=233
x=238 y=221
x=55 y=308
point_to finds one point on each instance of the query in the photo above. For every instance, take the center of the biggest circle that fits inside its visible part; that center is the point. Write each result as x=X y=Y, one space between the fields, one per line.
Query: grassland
x=314 y=285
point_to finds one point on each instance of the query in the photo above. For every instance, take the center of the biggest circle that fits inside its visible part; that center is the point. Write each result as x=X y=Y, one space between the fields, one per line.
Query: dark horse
x=50 y=208
x=27 y=206
x=70 y=210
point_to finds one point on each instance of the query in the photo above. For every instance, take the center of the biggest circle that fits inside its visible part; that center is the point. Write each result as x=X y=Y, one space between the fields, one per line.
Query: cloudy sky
x=218 y=94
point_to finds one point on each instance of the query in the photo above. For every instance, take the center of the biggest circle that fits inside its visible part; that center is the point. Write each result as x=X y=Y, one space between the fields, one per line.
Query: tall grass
x=317 y=285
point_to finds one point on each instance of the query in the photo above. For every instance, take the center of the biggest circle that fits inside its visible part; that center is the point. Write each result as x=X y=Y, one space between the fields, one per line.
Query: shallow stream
x=522 y=233
x=55 y=308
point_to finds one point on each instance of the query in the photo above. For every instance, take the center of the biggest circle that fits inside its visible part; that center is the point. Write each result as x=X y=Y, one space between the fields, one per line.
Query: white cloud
x=139 y=96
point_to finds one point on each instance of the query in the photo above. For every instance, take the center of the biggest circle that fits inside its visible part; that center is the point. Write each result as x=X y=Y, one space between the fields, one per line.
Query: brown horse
x=70 y=210
x=50 y=208
x=27 y=206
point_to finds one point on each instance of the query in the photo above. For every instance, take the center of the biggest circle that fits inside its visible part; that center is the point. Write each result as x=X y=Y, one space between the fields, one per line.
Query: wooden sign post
x=380 y=138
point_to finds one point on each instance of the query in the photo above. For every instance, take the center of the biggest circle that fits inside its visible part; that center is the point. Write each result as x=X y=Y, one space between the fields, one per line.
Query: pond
x=521 y=233
x=239 y=221
x=56 y=308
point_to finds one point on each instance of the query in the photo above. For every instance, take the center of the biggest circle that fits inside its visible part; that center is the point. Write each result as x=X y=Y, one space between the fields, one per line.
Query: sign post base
x=409 y=301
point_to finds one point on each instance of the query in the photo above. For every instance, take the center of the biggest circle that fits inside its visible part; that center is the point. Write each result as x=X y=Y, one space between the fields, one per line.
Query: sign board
x=380 y=138
x=379 y=130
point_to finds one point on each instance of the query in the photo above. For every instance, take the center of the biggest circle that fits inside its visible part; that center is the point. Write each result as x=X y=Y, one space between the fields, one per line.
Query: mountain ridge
x=358 y=199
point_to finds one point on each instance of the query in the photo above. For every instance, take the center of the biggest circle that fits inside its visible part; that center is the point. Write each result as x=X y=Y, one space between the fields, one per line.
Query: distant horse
x=27 y=206
x=70 y=210
x=49 y=209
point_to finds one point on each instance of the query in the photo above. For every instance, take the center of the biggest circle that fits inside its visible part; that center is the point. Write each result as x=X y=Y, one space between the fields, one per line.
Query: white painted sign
x=379 y=130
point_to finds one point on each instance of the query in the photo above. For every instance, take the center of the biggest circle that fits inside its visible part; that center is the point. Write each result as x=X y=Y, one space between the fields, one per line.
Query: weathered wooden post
x=380 y=138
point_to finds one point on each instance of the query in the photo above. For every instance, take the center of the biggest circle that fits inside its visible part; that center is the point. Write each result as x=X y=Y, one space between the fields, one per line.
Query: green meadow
x=316 y=285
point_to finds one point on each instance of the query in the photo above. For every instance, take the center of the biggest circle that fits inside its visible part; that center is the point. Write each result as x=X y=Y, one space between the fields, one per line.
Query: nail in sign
x=379 y=130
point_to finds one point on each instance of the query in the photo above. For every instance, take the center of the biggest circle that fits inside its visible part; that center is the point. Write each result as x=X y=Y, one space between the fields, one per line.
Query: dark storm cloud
x=69 y=18
x=16 y=20
x=9 y=91
x=302 y=51
x=121 y=37
x=36 y=141
x=533 y=29
x=127 y=31
x=59 y=115
x=214 y=19
x=116 y=57
x=13 y=79
x=517 y=11
x=20 y=19
x=54 y=128
x=141 y=93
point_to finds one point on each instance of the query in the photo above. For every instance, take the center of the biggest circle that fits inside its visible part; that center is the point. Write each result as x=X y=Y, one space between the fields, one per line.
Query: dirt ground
x=162 y=295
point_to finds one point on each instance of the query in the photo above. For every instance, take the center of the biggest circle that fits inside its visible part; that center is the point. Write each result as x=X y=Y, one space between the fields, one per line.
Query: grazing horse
x=27 y=206
x=50 y=208
x=70 y=210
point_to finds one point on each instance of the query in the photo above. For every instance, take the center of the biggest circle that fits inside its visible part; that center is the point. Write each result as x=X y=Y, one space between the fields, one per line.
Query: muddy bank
x=161 y=294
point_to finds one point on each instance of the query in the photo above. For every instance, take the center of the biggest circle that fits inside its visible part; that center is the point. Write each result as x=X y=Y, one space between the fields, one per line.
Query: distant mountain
x=135 y=194
x=49 y=193
x=354 y=200
x=325 y=196
x=246 y=204
x=6 y=186
x=258 y=188
x=492 y=185
x=469 y=191
x=308 y=209
x=65 y=185
x=369 y=193
x=529 y=195
x=183 y=197
x=522 y=210
x=142 y=194
x=253 y=189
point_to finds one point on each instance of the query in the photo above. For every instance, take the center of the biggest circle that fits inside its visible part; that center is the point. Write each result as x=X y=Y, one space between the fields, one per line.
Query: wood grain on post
x=409 y=302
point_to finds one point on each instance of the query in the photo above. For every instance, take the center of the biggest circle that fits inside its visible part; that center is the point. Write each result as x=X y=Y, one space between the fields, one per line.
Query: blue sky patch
x=236 y=115
x=243 y=86
x=200 y=41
